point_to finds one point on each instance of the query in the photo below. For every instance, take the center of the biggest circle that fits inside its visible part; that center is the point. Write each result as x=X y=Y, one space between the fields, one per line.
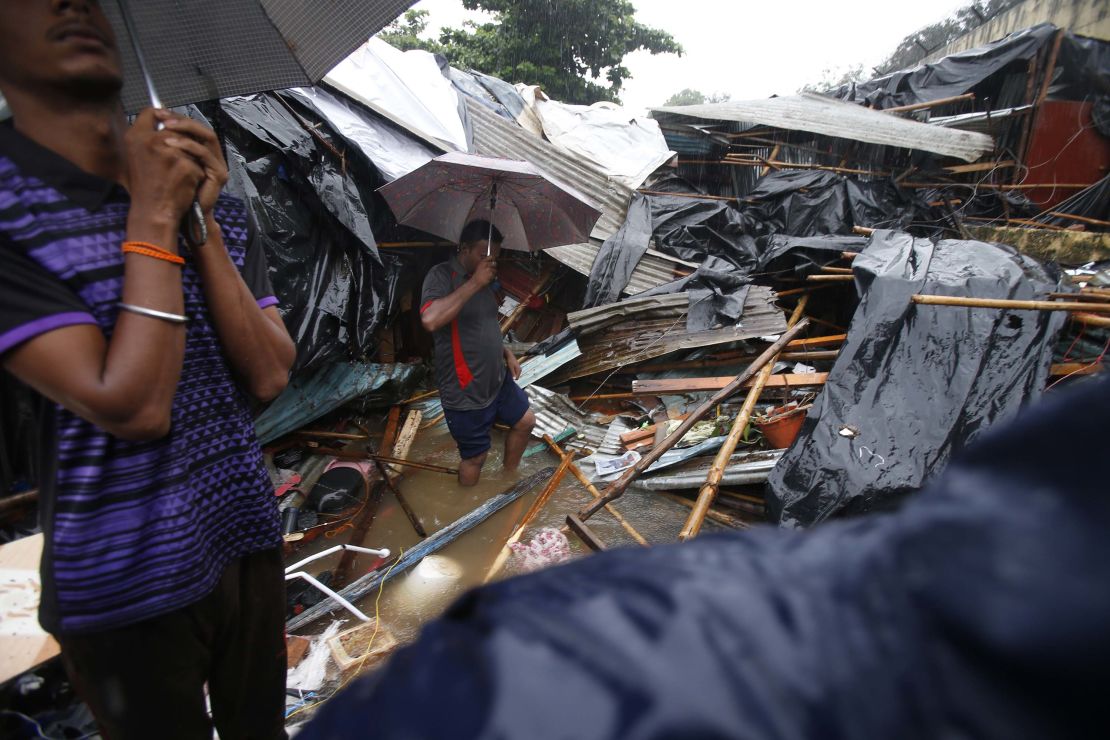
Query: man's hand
x=513 y=364
x=200 y=143
x=486 y=272
x=162 y=178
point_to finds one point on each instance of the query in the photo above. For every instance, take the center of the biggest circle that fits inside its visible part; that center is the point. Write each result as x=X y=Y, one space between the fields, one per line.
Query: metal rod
x=383 y=553
x=331 y=594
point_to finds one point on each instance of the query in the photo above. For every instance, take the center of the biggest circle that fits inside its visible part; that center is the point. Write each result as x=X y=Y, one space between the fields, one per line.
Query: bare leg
x=470 y=469
x=517 y=439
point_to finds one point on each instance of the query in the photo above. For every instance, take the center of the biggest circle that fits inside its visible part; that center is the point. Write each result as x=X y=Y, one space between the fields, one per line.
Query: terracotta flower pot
x=782 y=427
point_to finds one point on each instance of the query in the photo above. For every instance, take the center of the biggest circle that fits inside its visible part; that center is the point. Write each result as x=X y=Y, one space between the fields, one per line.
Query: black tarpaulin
x=310 y=213
x=693 y=229
x=816 y=202
x=619 y=255
x=801 y=256
x=717 y=291
x=953 y=75
x=914 y=384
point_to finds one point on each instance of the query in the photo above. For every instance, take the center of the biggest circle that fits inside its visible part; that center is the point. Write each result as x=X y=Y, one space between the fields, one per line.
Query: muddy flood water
x=413 y=598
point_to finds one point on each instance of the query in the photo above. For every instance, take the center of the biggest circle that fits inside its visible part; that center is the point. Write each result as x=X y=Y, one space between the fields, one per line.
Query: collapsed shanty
x=886 y=273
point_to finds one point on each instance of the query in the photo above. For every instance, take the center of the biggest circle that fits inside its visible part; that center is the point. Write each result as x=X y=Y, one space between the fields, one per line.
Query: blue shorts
x=471 y=428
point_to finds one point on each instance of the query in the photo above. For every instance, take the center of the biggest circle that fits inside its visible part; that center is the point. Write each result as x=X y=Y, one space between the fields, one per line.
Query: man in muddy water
x=475 y=371
x=161 y=569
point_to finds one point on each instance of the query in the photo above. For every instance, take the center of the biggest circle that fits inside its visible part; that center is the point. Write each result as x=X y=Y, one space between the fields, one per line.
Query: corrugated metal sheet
x=536 y=368
x=981 y=121
x=655 y=268
x=307 y=399
x=555 y=412
x=590 y=320
x=630 y=342
x=826 y=116
x=496 y=137
x=743 y=469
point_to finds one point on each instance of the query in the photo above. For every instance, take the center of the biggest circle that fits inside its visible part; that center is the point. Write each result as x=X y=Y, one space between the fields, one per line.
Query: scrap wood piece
x=577 y=473
x=617 y=488
x=533 y=510
x=1010 y=305
x=713 y=514
x=669 y=386
x=708 y=491
x=370 y=582
x=406 y=437
x=587 y=535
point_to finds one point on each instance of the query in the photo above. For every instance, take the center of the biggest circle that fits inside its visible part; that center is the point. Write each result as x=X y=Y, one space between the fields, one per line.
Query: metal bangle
x=173 y=318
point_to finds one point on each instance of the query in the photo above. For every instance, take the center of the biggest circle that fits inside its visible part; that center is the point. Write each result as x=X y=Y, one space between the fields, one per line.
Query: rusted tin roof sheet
x=632 y=341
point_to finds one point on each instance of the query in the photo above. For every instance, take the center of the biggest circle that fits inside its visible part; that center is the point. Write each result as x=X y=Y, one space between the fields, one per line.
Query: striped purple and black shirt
x=133 y=529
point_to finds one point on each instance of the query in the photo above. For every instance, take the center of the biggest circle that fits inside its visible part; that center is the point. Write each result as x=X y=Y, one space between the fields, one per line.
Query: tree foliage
x=920 y=44
x=831 y=79
x=407 y=33
x=573 y=49
x=690 y=96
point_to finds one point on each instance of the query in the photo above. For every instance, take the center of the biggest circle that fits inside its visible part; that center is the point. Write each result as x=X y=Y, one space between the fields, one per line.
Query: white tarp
x=626 y=147
x=407 y=87
x=392 y=152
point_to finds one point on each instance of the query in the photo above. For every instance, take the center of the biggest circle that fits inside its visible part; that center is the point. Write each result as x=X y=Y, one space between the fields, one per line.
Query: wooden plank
x=23 y=643
x=370 y=582
x=587 y=535
x=929 y=103
x=671 y=386
x=406 y=437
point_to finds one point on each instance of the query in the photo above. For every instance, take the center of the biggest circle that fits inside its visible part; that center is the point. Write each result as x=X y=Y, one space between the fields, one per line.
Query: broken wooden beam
x=372 y=581
x=617 y=488
x=587 y=535
x=672 y=386
x=406 y=437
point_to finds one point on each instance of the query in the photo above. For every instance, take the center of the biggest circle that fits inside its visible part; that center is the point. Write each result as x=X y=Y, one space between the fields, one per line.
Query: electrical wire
x=377 y=623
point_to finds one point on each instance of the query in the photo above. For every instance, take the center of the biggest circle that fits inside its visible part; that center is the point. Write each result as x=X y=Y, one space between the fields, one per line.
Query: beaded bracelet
x=151 y=250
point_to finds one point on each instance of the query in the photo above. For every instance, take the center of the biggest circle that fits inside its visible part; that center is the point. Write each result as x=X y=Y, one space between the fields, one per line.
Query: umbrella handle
x=193 y=227
x=492 y=207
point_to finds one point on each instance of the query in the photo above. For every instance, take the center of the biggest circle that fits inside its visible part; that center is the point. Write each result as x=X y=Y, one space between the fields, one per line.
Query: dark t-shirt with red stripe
x=469 y=360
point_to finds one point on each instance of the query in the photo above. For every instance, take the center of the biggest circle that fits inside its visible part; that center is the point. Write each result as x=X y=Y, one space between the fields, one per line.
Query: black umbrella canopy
x=207 y=49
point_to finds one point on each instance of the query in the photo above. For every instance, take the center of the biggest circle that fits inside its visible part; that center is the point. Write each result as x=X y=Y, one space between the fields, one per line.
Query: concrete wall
x=1084 y=17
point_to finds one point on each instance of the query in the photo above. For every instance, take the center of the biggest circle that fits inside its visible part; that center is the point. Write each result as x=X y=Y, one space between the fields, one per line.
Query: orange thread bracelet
x=151 y=250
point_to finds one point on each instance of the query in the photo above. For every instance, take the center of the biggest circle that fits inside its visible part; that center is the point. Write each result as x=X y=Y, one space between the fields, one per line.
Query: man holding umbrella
x=161 y=570
x=474 y=370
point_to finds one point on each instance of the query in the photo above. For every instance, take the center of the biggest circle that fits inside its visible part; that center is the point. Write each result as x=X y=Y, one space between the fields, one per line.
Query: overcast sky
x=754 y=48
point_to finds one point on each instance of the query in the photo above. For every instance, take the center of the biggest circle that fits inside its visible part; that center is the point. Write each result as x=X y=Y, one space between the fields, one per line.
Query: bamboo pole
x=1092 y=320
x=837 y=270
x=577 y=473
x=713 y=514
x=1080 y=219
x=928 y=104
x=697 y=196
x=709 y=490
x=587 y=535
x=830 y=278
x=1083 y=295
x=944 y=300
x=362 y=457
x=616 y=489
x=330 y=435
x=533 y=510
